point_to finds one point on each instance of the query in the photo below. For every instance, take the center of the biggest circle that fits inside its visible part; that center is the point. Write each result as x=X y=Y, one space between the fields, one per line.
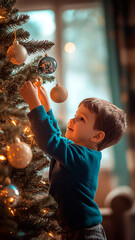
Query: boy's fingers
x=43 y=89
x=25 y=84
x=29 y=82
x=35 y=86
x=40 y=89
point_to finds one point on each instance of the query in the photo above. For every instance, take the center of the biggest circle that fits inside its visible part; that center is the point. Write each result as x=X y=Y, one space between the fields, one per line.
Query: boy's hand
x=44 y=98
x=29 y=93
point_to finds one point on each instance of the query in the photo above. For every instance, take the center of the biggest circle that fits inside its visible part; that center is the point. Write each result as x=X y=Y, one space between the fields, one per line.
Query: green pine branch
x=8 y=4
x=7 y=38
x=13 y=12
x=12 y=23
x=34 y=46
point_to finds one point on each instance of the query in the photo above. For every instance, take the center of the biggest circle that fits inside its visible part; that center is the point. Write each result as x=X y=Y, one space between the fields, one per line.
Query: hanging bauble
x=19 y=154
x=47 y=65
x=9 y=194
x=38 y=81
x=17 y=53
x=58 y=94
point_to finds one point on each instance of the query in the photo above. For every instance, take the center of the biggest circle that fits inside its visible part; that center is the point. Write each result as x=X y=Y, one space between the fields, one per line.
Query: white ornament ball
x=17 y=53
x=19 y=155
x=58 y=94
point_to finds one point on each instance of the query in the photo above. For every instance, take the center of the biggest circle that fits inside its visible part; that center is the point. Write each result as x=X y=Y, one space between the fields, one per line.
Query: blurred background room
x=95 y=53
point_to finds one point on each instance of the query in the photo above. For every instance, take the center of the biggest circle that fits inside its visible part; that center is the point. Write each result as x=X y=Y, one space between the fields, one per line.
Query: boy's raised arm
x=44 y=126
x=36 y=97
x=49 y=138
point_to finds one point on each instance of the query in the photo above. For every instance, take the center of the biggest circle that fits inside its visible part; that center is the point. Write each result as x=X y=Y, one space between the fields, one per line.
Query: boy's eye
x=82 y=119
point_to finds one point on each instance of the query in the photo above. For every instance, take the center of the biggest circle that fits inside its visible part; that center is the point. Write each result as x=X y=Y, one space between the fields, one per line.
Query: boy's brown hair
x=110 y=119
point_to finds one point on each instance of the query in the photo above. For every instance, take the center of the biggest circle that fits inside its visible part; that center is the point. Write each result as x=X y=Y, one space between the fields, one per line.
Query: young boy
x=76 y=158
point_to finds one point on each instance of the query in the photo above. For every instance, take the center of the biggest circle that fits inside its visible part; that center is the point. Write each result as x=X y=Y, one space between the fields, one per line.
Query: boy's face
x=80 y=129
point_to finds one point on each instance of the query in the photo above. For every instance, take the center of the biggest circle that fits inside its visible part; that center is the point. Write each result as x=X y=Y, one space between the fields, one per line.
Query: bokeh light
x=70 y=47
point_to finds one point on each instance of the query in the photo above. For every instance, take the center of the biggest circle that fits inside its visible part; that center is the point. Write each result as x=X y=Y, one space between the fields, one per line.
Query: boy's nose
x=72 y=120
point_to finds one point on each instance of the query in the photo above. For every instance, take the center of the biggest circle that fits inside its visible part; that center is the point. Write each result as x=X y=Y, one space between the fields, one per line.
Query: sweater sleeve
x=55 y=123
x=48 y=137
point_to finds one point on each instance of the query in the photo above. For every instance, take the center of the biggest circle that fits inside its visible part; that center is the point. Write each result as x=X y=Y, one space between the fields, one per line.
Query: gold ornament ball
x=58 y=94
x=38 y=81
x=17 y=53
x=19 y=155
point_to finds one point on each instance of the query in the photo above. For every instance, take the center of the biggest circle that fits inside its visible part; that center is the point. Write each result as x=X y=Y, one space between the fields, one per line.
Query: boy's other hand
x=44 y=98
x=29 y=93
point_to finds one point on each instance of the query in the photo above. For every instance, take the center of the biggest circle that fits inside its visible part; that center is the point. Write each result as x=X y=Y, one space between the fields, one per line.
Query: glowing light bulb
x=50 y=234
x=1 y=17
x=42 y=182
x=70 y=47
x=2 y=158
x=44 y=211
x=11 y=200
x=13 y=122
x=29 y=136
x=26 y=129
x=7 y=147
x=11 y=211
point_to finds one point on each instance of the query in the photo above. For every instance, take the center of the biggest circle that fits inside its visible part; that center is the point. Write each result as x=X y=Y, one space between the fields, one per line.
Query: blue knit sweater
x=73 y=172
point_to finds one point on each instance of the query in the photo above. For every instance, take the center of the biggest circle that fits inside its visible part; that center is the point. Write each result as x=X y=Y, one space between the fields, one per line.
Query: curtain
x=120 y=26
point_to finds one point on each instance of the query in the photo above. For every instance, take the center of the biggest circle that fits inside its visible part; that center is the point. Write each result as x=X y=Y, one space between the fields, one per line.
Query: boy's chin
x=67 y=136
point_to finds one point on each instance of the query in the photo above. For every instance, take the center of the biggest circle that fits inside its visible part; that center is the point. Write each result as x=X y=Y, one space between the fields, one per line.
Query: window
x=84 y=57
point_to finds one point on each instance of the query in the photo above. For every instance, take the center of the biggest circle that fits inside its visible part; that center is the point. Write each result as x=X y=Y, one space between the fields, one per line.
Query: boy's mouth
x=69 y=129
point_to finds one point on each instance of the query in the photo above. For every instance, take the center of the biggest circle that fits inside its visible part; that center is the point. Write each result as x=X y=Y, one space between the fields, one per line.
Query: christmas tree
x=26 y=209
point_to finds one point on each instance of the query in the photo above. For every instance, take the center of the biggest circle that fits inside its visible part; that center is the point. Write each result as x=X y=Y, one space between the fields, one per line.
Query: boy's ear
x=98 y=137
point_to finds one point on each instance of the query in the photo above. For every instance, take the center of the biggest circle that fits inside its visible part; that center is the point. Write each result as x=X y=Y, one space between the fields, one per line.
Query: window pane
x=85 y=60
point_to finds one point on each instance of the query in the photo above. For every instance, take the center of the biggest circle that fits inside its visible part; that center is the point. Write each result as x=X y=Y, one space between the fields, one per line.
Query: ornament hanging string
x=15 y=34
